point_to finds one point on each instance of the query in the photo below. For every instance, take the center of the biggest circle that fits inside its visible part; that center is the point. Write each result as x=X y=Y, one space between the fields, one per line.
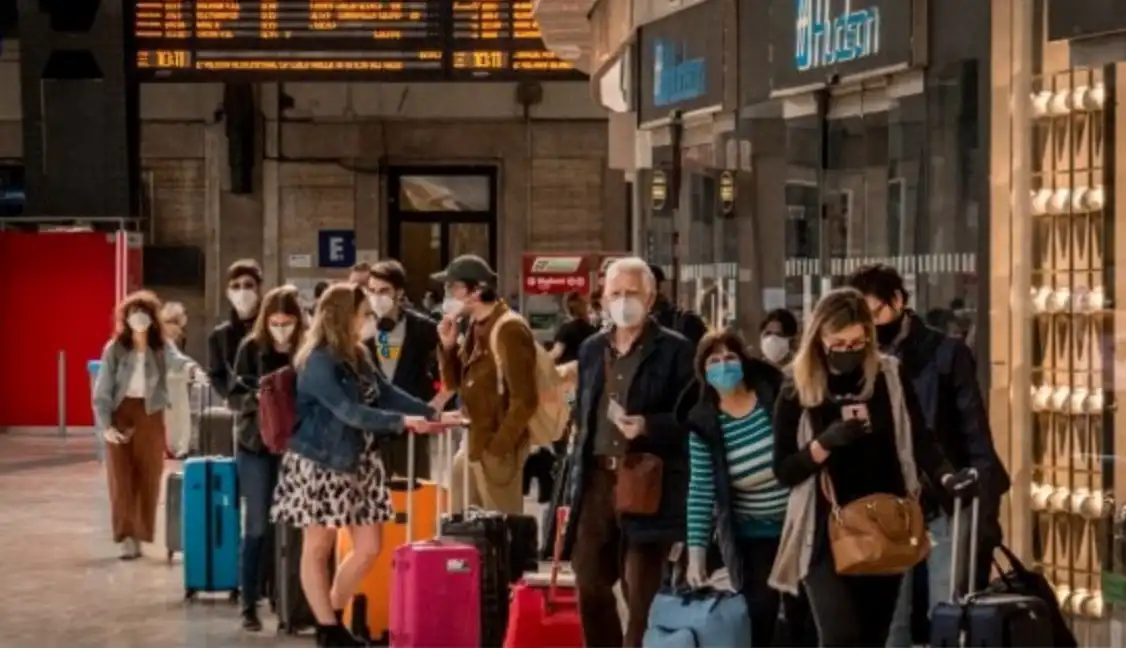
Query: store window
x=888 y=181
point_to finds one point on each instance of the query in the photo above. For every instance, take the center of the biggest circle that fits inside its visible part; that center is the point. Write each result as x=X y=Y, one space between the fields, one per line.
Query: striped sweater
x=759 y=500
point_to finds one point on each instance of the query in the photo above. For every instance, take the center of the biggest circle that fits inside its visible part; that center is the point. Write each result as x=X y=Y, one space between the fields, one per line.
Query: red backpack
x=277 y=408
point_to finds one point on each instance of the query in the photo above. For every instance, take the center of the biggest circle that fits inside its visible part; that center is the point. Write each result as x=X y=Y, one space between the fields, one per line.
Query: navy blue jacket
x=699 y=409
x=663 y=374
x=944 y=375
x=331 y=417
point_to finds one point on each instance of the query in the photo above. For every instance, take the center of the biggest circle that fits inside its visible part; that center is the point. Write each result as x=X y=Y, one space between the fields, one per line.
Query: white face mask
x=139 y=321
x=281 y=333
x=369 y=329
x=243 y=300
x=774 y=347
x=453 y=306
x=382 y=304
x=627 y=312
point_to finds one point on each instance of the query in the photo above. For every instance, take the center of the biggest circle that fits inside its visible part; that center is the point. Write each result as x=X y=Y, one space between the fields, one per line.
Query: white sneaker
x=127 y=550
x=136 y=547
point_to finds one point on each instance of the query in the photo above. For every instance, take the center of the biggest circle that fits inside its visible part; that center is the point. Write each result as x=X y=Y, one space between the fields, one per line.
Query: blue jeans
x=257 y=477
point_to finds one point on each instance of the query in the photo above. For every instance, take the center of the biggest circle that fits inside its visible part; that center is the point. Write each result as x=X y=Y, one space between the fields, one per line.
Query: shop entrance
x=436 y=214
x=882 y=174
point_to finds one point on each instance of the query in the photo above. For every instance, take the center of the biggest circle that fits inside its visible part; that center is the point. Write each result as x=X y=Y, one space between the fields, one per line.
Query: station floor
x=61 y=584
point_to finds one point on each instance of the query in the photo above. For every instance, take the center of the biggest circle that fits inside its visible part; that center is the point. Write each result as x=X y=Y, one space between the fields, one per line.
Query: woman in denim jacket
x=332 y=476
x=130 y=396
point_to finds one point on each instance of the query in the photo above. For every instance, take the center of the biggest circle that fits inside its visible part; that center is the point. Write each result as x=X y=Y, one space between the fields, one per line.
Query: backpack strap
x=494 y=335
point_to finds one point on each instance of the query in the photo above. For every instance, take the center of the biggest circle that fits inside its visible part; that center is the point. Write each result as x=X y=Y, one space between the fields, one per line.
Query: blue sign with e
x=336 y=249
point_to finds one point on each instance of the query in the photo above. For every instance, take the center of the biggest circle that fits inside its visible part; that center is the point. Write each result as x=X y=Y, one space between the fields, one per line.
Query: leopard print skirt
x=311 y=495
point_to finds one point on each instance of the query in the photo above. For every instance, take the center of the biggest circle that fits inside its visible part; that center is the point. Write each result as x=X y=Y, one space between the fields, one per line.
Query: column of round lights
x=1088 y=504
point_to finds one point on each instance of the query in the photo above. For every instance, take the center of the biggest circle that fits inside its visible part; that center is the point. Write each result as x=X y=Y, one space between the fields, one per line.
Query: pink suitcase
x=435 y=587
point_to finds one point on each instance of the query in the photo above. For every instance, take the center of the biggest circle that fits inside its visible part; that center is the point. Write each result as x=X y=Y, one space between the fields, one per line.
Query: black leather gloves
x=843 y=433
x=962 y=484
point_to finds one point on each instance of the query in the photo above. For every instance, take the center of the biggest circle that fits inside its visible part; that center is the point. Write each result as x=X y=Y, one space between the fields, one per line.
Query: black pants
x=777 y=620
x=850 y=611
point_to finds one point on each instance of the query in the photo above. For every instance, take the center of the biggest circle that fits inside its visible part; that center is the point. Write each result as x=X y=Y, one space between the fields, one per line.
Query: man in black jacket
x=944 y=376
x=244 y=284
x=685 y=321
x=630 y=379
x=404 y=347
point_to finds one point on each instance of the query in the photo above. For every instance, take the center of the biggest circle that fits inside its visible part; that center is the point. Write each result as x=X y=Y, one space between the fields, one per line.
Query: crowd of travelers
x=749 y=448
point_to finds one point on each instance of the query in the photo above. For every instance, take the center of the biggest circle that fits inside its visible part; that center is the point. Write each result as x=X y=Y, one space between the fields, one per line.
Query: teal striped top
x=759 y=500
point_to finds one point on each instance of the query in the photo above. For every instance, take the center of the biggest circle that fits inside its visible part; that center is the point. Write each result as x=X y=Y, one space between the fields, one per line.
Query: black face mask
x=846 y=361
x=887 y=333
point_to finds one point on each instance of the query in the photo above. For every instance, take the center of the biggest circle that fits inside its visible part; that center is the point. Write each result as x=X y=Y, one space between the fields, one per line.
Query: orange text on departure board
x=327 y=14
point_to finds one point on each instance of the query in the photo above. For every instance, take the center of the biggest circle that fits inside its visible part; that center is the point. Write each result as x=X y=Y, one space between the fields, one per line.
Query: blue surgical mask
x=725 y=375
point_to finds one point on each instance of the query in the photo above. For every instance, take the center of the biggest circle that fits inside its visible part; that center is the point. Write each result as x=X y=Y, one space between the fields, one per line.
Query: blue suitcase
x=211 y=526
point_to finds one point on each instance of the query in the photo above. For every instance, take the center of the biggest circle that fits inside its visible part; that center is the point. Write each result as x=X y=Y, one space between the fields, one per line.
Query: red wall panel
x=57 y=293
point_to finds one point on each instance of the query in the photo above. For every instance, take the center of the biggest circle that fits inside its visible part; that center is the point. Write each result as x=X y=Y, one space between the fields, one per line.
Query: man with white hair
x=629 y=478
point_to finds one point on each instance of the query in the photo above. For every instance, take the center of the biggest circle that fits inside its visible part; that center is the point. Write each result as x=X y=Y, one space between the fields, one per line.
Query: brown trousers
x=134 y=469
x=601 y=556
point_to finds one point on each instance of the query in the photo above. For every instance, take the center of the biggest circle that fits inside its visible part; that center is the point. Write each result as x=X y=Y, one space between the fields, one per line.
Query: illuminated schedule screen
x=409 y=40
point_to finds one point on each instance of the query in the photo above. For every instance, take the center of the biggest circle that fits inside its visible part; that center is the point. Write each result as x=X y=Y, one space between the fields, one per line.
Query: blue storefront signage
x=823 y=38
x=681 y=61
x=676 y=78
x=336 y=249
x=812 y=41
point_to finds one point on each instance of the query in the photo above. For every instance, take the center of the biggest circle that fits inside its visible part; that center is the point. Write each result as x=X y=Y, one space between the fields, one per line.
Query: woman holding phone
x=848 y=412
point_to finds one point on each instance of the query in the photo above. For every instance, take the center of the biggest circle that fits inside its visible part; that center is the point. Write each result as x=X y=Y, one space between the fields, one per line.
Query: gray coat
x=116 y=369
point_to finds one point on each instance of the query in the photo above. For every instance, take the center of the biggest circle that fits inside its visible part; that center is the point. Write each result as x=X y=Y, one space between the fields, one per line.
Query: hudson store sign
x=680 y=60
x=816 y=40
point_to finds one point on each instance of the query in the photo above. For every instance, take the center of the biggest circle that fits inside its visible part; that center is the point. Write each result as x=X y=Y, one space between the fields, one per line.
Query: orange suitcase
x=368 y=616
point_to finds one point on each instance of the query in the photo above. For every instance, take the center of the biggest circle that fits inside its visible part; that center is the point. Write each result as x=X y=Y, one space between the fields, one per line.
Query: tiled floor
x=61 y=583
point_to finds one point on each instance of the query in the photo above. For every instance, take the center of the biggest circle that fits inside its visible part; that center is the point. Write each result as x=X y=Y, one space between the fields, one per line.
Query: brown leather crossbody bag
x=879 y=534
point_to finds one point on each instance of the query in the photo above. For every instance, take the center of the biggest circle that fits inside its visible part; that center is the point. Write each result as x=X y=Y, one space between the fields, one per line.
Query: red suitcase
x=435 y=587
x=544 y=613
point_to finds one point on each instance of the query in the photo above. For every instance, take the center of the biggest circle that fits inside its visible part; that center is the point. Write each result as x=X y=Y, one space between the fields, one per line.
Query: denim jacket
x=331 y=417
x=116 y=370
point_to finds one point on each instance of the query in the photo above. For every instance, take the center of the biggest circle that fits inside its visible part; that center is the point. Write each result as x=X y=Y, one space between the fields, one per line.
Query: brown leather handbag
x=639 y=485
x=880 y=534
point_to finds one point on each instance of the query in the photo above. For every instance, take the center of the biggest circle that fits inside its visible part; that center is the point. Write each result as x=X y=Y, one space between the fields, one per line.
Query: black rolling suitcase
x=289 y=601
x=489 y=533
x=986 y=619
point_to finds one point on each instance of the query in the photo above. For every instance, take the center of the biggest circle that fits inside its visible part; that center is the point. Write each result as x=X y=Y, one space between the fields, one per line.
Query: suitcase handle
x=562 y=513
x=445 y=449
x=972 y=548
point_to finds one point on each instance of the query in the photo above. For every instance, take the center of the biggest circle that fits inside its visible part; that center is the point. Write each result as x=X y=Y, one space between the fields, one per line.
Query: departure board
x=408 y=40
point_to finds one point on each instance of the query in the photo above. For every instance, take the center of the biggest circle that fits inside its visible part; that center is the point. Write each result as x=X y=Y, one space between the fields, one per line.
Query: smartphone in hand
x=855 y=412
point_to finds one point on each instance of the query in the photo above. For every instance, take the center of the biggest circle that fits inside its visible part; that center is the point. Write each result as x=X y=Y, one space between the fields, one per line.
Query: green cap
x=467 y=268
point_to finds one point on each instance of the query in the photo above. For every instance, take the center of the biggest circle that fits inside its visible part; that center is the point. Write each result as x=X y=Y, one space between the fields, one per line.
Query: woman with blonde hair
x=274 y=338
x=846 y=412
x=332 y=476
x=178 y=415
x=130 y=397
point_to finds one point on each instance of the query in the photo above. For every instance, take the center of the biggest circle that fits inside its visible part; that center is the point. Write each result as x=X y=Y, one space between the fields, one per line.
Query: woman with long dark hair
x=130 y=396
x=273 y=340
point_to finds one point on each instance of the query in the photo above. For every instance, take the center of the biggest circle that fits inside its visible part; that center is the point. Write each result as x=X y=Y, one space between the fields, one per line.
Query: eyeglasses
x=846 y=346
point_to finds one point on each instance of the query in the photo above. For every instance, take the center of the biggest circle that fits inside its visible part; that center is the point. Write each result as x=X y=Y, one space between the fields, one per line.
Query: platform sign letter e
x=336 y=249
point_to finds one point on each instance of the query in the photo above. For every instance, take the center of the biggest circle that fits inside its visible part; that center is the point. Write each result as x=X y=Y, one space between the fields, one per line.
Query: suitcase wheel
x=189 y=594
